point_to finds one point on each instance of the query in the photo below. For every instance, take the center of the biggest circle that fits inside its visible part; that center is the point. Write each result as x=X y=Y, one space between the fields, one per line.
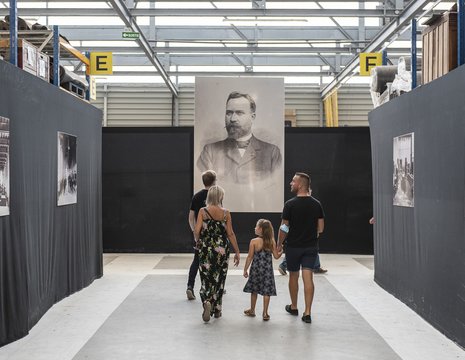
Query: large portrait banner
x=403 y=180
x=4 y=166
x=239 y=133
x=67 y=169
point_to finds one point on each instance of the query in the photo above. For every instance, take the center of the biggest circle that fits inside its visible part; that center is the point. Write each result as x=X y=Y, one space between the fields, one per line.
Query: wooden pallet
x=439 y=46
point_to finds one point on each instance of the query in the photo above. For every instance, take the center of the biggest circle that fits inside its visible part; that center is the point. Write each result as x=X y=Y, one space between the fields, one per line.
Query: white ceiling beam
x=187 y=1
x=237 y=50
x=220 y=33
x=183 y=12
x=223 y=73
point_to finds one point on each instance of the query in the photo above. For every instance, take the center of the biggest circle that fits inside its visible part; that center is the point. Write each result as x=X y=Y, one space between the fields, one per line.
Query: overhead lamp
x=264 y=19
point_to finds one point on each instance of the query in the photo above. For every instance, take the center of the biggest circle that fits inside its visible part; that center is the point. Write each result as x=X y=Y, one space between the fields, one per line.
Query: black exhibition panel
x=339 y=162
x=147 y=181
x=420 y=250
x=46 y=252
x=148 y=185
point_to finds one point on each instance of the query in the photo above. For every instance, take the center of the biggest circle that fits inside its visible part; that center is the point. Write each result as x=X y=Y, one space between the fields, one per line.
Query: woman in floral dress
x=213 y=229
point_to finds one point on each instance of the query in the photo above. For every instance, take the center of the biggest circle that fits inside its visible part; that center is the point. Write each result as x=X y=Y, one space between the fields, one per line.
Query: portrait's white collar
x=245 y=138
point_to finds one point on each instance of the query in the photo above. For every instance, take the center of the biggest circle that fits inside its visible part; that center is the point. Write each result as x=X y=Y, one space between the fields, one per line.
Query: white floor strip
x=411 y=337
x=69 y=324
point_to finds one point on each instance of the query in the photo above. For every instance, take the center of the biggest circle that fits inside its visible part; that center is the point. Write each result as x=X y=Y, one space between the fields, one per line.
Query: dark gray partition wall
x=147 y=187
x=46 y=252
x=420 y=251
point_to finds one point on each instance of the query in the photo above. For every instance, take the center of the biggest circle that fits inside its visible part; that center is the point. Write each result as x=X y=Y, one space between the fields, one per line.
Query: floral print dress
x=261 y=276
x=213 y=259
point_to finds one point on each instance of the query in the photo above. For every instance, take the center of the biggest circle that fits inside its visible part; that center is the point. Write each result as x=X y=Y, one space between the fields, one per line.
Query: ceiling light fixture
x=263 y=19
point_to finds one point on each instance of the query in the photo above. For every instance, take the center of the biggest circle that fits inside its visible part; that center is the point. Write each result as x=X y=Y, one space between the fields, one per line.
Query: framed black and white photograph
x=4 y=166
x=403 y=180
x=239 y=133
x=67 y=169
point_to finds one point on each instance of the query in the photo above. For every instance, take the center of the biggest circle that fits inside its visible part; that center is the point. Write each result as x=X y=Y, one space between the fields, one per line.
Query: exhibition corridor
x=139 y=310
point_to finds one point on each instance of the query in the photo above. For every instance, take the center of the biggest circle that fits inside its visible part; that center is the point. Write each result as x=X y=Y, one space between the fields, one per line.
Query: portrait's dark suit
x=259 y=161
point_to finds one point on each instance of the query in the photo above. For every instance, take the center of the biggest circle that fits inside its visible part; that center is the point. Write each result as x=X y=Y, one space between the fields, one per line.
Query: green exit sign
x=130 y=35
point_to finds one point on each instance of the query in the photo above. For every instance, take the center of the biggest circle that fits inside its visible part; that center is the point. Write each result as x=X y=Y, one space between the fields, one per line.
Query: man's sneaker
x=320 y=271
x=190 y=294
x=282 y=270
x=307 y=319
x=291 y=311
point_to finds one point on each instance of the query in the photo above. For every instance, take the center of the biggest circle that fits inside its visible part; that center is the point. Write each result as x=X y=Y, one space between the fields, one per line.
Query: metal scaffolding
x=314 y=39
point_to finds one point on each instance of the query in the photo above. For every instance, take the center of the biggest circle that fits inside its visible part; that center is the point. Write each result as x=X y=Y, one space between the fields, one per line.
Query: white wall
x=151 y=105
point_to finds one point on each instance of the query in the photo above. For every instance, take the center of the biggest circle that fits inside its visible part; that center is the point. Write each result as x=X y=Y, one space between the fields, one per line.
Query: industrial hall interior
x=255 y=179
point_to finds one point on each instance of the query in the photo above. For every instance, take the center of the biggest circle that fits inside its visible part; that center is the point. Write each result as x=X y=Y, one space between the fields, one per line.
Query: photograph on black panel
x=67 y=169
x=403 y=180
x=4 y=166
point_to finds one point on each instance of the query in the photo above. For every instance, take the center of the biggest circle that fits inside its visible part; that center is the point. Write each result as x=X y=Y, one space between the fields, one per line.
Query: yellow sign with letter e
x=101 y=63
x=368 y=61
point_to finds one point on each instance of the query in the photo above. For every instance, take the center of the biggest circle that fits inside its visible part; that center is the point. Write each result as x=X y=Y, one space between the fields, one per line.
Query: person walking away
x=198 y=202
x=212 y=232
x=302 y=222
x=261 y=277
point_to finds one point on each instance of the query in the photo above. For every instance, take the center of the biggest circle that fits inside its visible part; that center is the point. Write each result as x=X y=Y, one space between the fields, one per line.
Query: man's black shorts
x=305 y=258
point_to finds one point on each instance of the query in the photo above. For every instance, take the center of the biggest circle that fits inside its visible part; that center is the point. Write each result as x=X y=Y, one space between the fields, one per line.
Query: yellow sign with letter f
x=368 y=61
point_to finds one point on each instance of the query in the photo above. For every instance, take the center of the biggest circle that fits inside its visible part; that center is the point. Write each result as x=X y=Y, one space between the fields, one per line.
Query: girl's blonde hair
x=215 y=196
x=267 y=234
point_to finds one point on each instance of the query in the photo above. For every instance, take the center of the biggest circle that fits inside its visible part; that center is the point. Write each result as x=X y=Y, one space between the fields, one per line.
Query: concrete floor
x=139 y=310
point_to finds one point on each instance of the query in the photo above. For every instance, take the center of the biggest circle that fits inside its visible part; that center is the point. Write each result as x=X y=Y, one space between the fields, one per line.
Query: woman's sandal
x=207 y=307
x=266 y=317
x=249 y=312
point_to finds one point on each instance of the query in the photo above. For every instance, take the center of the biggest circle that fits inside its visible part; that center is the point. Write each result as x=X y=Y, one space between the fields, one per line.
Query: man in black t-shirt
x=282 y=268
x=302 y=222
x=198 y=202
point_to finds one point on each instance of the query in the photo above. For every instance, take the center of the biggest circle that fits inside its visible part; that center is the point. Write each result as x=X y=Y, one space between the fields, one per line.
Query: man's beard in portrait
x=236 y=132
